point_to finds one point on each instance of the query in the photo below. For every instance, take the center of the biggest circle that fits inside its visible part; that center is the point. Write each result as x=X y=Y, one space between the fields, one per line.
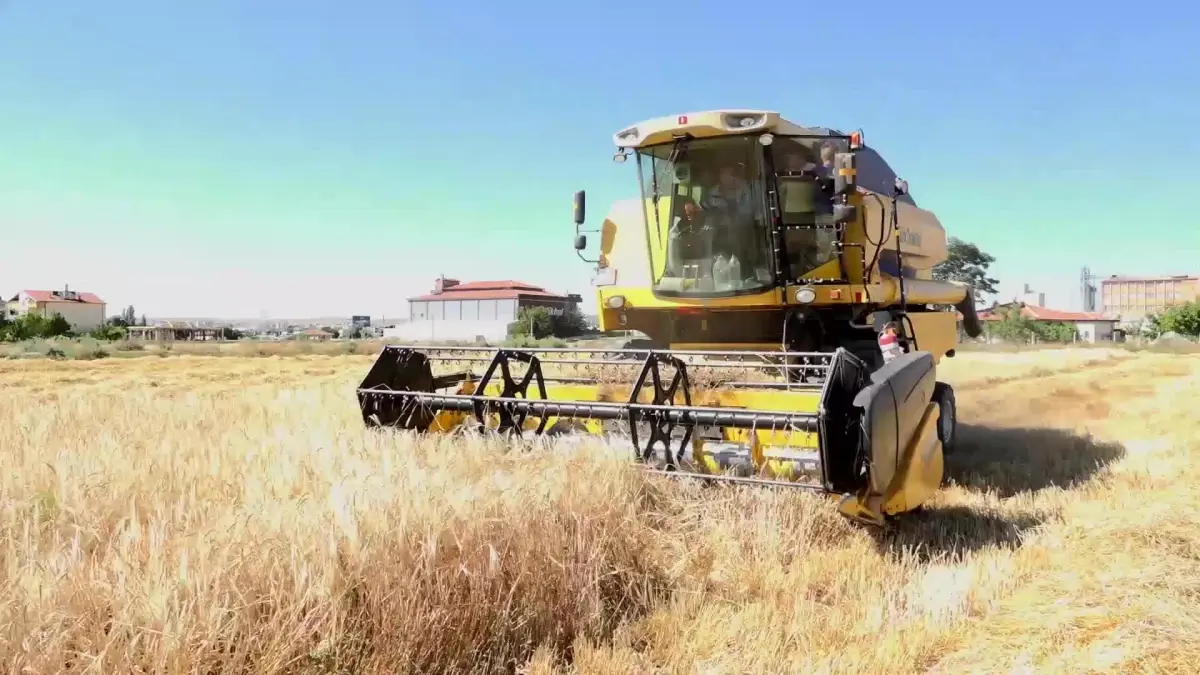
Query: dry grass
x=211 y=515
x=90 y=349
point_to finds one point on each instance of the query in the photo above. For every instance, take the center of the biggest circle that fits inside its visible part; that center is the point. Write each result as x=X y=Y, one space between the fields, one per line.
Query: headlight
x=805 y=295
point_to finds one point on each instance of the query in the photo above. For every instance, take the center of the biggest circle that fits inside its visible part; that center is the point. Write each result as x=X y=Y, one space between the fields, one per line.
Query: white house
x=84 y=311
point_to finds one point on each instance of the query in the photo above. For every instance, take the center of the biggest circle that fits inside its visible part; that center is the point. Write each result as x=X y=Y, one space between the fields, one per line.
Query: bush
x=109 y=333
x=1012 y=327
x=539 y=323
x=30 y=326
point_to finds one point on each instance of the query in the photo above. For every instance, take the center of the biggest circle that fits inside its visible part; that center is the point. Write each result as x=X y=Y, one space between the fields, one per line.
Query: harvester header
x=764 y=263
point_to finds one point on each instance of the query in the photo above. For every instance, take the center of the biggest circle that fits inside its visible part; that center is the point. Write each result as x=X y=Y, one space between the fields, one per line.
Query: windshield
x=705 y=211
x=811 y=238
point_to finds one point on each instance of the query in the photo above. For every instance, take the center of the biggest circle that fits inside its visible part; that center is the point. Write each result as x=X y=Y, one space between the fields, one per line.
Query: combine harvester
x=762 y=261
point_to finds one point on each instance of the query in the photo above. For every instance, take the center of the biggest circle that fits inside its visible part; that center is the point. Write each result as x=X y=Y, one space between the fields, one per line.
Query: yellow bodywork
x=917 y=479
x=764 y=442
x=629 y=258
x=633 y=254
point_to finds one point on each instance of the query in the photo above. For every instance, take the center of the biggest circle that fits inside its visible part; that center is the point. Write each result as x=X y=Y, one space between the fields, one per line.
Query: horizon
x=303 y=160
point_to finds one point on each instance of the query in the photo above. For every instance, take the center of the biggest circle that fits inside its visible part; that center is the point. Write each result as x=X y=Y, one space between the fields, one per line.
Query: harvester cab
x=761 y=260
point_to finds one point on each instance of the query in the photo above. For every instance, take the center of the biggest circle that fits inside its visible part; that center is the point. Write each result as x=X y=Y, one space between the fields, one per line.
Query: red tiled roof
x=1037 y=313
x=492 y=290
x=494 y=286
x=1177 y=277
x=48 y=296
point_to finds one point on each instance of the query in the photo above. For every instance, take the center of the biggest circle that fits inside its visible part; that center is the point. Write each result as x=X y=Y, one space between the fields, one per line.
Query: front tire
x=947 y=429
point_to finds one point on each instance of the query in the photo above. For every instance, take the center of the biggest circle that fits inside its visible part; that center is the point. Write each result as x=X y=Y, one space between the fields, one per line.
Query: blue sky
x=300 y=158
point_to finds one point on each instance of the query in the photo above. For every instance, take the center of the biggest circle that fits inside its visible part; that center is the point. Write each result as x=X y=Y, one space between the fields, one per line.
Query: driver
x=730 y=206
x=730 y=195
x=687 y=235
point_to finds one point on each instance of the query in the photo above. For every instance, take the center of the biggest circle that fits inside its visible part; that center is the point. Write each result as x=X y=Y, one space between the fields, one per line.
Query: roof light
x=856 y=139
x=744 y=121
x=683 y=119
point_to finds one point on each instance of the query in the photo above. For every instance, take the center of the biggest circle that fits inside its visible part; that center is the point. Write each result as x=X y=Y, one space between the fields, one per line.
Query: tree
x=570 y=323
x=1183 y=319
x=57 y=326
x=1012 y=327
x=535 y=322
x=966 y=263
x=1054 y=331
x=25 y=327
x=1148 y=327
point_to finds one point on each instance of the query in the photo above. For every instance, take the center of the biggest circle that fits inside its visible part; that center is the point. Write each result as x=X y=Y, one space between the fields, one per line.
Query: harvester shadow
x=1010 y=460
x=1004 y=462
x=949 y=533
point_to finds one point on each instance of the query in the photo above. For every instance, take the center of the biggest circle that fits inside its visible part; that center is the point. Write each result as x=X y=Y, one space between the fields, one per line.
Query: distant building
x=1133 y=298
x=1089 y=326
x=469 y=311
x=317 y=334
x=84 y=311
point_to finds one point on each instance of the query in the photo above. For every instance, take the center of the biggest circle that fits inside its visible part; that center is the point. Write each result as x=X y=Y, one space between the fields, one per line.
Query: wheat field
x=230 y=515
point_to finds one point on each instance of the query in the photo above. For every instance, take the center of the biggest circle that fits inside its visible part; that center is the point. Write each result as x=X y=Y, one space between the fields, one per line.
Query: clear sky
x=307 y=158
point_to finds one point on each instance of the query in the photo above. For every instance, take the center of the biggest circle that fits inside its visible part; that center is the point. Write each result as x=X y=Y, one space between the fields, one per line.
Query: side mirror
x=845 y=172
x=579 y=208
x=580 y=242
x=901 y=187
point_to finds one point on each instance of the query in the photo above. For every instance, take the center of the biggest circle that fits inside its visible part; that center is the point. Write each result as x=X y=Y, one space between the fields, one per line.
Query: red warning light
x=683 y=119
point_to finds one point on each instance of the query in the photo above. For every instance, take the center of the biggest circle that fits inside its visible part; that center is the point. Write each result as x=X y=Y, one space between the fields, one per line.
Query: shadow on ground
x=1009 y=461
x=947 y=534
x=1004 y=461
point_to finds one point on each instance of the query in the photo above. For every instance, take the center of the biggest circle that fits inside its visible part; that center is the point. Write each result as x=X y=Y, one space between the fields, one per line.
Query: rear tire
x=947 y=428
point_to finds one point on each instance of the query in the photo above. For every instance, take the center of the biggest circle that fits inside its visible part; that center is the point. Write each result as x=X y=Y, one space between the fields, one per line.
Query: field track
x=229 y=514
